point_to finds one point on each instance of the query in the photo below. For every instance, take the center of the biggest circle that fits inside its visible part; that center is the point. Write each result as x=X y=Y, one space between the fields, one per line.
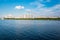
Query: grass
x=31 y=18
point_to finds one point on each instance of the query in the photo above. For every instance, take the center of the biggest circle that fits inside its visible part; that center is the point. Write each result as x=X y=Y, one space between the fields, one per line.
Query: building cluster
x=28 y=16
x=21 y=16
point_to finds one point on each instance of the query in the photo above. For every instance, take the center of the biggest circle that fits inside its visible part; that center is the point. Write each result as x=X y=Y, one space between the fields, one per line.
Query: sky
x=33 y=7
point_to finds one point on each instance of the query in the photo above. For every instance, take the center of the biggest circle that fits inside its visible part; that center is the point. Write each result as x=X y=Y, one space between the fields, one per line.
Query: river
x=29 y=30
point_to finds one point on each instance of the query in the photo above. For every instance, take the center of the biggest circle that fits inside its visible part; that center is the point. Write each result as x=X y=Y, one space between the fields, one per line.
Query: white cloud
x=19 y=7
x=44 y=0
x=28 y=10
x=41 y=10
x=53 y=11
x=37 y=4
x=48 y=1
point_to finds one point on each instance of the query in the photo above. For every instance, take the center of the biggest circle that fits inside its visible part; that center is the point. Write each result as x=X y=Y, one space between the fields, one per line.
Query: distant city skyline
x=27 y=16
x=30 y=7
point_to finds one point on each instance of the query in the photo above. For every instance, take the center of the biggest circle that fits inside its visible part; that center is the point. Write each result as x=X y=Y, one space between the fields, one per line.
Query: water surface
x=29 y=30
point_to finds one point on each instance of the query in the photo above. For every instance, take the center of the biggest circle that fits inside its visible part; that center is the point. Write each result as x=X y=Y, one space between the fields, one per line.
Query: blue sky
x=34 y=7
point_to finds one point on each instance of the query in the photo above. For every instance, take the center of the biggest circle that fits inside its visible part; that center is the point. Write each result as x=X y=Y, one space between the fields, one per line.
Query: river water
x=29 y=30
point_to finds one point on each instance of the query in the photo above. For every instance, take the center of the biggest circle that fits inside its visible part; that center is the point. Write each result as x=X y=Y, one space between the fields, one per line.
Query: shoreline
x=30 y=19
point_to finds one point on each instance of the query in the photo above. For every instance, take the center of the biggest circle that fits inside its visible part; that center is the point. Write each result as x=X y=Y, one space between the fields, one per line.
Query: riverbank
x=31 y=18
